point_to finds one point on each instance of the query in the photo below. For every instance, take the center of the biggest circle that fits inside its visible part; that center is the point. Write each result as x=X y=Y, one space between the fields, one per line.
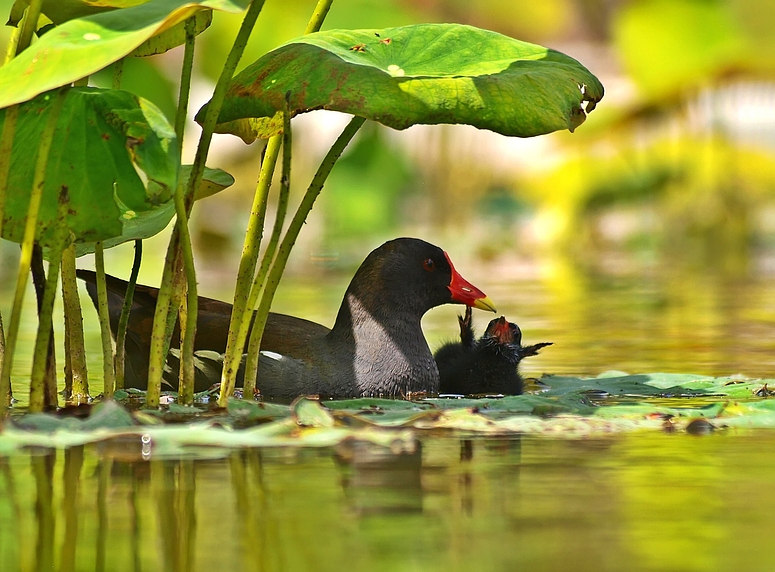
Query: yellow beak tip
x=485 y=304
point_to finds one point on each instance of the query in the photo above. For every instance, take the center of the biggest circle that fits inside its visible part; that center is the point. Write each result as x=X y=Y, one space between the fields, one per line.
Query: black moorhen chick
x=376 y=347
x=488 y=365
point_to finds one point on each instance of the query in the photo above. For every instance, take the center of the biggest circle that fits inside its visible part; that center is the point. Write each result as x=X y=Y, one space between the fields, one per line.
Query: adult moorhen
x=376 y=347
x=488 y=365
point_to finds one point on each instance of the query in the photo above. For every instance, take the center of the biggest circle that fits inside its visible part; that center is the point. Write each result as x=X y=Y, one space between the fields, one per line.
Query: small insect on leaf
x=386 y=41
x=358 y=48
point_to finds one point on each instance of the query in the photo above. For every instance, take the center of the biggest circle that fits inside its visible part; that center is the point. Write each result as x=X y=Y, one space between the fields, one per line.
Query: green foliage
x=145 y=79
x=104 y=138
x=116 y=163
x=149 y=223
x=423 y=74
x=60 y=11
x=173 y=37
x=364 y=193
x=85 y=45
x=669 y=46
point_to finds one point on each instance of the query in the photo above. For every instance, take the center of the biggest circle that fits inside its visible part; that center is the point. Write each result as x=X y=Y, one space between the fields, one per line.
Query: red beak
x=500 y=329
x=466 y=293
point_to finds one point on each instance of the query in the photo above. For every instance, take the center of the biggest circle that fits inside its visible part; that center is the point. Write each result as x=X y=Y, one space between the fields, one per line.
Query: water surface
x=639 y=501
x=630 y=502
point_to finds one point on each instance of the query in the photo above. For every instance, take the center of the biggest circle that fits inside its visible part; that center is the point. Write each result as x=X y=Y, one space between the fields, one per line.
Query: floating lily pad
x=105 y=140
x=426 y=74
x=564 y=410
x=310 y=413
x=107 y=415
x=85 y=45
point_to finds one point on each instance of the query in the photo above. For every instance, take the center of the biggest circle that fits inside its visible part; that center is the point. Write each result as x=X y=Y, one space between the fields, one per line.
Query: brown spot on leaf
x=386 y=41
x=358 y=48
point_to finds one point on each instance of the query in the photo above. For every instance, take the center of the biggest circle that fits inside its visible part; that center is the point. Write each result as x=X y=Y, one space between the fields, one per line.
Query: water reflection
x=640 y=501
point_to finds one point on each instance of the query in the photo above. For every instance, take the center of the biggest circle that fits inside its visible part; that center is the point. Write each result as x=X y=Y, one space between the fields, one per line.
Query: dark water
x=640 y=501
x=631 y=502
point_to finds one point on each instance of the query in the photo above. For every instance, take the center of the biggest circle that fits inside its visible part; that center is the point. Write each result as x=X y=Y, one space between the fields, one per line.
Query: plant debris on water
x=556 y=406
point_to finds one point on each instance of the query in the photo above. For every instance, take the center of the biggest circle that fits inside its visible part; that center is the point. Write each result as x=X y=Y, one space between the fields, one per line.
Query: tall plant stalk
x=187 y=332
x=5 y=394
x=249 y=382
x=242 y=310
x=43 y=386
x=244 y=300
x=278 y=267
x=119 y=364
x=28 y=25
x=15 y=45
x=158 y=342
x=47 y=359
x=190 y=310
x=39 y=388
x=318 y=16
x=76 y=375
x=47 y=137
x=6 y=147
x=102 y=310
x=118 y=74
x=123 y=321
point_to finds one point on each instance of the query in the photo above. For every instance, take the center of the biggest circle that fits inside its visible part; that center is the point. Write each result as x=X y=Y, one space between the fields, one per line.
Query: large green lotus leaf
x=85 y=45
x=145 y=224
x=174 y=37
x=114 y=153
x=60 y=11
x=428 y=73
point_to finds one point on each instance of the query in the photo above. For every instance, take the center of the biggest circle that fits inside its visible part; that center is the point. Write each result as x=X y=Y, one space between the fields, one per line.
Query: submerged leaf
x=105 y=415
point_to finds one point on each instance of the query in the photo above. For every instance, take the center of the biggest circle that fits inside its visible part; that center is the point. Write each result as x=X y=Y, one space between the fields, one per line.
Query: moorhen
x=376 y=347
x=489 y=365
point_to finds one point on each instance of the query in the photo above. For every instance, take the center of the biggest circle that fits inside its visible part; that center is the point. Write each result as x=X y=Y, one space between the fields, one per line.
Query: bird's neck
x=360 y=312
x=389 y=351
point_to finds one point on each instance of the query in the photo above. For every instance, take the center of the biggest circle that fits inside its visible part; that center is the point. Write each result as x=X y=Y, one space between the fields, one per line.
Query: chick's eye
x=429 y=264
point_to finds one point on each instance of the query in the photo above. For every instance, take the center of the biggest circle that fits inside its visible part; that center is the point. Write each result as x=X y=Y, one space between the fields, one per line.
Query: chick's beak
x=466 y=293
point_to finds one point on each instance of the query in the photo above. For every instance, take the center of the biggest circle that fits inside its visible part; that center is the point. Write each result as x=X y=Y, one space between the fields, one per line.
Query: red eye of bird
x=429 y=264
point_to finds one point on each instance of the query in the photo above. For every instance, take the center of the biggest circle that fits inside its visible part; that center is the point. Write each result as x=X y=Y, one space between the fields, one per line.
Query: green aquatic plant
x=122 y=170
